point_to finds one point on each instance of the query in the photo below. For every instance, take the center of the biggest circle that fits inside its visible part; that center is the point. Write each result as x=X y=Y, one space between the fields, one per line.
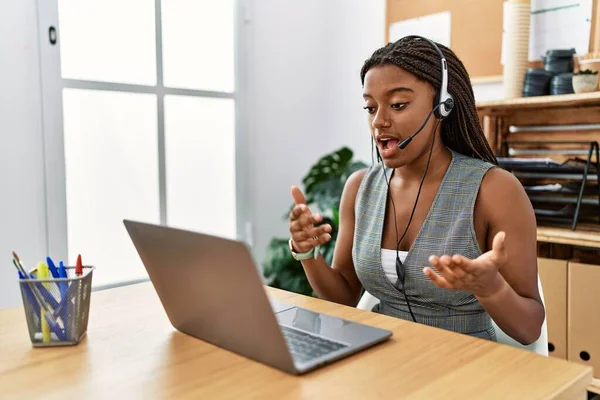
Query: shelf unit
x=586 y=235
x=580 y=185
x=561 y=127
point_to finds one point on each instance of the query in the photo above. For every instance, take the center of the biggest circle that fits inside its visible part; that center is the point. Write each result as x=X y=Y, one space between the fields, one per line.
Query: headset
x=443 y=105
x=444 y=102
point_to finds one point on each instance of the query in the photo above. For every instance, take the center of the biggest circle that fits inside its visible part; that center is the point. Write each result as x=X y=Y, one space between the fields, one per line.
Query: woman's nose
x=380 y=120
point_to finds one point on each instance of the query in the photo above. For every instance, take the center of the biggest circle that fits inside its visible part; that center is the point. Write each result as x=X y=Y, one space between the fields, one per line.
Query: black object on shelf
x=536 y=82
x=562 y=84
x=574 y=184
x=559 y=61
x=555 y=78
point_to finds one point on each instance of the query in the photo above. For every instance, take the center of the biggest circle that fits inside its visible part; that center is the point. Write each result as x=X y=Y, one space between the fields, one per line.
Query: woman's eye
x=398 y=106
x=370 y=110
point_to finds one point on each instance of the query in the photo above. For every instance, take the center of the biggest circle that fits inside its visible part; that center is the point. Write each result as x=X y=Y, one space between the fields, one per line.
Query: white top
x=388 y=262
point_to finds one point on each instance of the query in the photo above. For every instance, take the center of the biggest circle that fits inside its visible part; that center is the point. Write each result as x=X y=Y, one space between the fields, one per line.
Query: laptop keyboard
x=305 y=347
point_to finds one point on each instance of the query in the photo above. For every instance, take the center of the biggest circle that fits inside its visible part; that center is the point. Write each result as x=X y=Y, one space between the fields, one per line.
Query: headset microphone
x=406 y=141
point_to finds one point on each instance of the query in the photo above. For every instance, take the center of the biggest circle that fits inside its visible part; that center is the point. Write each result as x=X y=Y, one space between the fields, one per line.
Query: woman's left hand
x=479 y=276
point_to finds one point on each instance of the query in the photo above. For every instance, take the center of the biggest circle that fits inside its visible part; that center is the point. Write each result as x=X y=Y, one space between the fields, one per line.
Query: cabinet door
x=584 y=315
x=553 y=274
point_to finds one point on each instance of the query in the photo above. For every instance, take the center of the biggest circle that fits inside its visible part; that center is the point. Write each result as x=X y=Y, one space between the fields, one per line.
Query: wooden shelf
x=587 y=235
x=569 y=100
x=595 y=386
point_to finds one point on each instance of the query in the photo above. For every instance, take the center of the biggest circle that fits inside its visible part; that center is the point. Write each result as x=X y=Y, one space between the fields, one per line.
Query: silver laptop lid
x=210 y=289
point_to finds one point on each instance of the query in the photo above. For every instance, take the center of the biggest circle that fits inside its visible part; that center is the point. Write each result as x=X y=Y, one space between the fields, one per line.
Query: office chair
x=540 y=346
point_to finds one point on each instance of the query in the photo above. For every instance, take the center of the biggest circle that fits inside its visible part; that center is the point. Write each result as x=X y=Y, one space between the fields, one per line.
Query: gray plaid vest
x=448 y=229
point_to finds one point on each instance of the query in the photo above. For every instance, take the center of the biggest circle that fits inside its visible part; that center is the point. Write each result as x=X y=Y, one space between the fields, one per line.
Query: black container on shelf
x=555 y=78
x=536 y=82
x=562 y=84
x=559 y=61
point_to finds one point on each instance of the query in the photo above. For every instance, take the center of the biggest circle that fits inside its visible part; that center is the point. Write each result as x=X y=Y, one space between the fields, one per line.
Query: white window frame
x=53 y=133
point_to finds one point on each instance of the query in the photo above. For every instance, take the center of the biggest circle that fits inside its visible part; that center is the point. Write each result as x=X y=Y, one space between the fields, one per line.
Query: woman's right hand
x=305 y=235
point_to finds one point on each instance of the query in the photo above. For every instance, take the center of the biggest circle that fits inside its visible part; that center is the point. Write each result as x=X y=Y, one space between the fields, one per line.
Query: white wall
x=352 y=37
x=286 y=113
x=306 y=95
x=22 y=213
x=488 y=91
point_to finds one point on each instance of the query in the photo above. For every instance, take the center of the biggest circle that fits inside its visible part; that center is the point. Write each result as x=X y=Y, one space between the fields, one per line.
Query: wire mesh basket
x=57 y=309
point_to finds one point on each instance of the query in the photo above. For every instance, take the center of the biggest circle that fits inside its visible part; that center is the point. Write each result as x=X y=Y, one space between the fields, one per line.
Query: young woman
x=435 y=231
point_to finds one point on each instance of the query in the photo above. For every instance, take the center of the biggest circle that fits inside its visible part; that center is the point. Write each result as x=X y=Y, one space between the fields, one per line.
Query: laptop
x=210 y=289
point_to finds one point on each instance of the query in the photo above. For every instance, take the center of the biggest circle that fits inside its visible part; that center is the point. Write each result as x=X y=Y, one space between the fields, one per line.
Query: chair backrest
x=540 y=346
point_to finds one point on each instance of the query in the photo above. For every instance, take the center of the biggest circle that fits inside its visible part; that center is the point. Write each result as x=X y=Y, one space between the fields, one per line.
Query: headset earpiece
x=445 y=108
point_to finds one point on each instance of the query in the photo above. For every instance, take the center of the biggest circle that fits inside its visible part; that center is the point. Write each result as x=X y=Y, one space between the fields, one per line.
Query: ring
x=315 y=237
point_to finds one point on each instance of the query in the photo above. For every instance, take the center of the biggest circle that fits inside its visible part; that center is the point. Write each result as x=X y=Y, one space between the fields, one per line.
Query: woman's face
x=398 y=104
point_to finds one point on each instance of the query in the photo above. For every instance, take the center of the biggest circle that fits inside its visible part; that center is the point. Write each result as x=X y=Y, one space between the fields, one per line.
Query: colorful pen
x=42 y=301
x=42 y=273
x=52 y=267
x=64 y=297
x=40 y=293
x=29 y=294
x=79 y=266
x=37 y=290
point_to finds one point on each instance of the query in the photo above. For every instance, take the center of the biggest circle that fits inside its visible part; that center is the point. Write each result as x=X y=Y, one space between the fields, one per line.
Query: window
x=148 y=124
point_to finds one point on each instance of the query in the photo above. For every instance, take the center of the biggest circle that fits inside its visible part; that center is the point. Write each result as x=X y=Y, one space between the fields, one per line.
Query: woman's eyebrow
x=391 y=91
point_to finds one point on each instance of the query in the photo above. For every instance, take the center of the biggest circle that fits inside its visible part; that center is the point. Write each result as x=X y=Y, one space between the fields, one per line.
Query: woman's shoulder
x=471 y=162
x=498 y=187
x=351 y=188
x=494 y=178
x=357 y=178
x=357 y=182
x=499 y=181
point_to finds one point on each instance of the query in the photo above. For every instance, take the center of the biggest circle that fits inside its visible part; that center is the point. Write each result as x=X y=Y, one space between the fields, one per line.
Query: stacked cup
x=516 y=56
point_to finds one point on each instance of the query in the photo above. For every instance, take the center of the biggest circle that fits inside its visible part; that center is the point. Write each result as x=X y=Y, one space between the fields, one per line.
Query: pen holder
x=57 y=309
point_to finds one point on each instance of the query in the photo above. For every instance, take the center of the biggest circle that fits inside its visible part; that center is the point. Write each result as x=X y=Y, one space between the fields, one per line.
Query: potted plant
x=585 y=81
x=323 y=186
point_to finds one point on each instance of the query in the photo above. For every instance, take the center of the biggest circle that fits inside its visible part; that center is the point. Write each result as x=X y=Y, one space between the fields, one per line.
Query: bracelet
x=314 y=252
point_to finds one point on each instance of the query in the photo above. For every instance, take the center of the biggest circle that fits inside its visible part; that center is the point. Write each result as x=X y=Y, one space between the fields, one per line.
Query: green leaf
x=323 y=187
x=330 y=166
x=336 y=216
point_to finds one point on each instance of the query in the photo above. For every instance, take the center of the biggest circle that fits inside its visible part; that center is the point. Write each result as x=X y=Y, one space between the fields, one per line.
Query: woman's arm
x=338 y=283
x=504 y=279
x=515 y=304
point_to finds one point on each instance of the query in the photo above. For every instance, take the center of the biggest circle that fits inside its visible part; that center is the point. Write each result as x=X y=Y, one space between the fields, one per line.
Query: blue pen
x=52 y=322
x=42 y=291
x=47 y=296
x=64 y=298
x=52 y=267
x=30 y=297
x=54 y=327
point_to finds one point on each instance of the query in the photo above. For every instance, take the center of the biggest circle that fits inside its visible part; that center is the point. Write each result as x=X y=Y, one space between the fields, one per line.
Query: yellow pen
x=43 y=273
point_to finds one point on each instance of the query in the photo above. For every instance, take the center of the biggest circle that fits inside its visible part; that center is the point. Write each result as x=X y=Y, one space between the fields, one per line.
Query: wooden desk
x=132 y=351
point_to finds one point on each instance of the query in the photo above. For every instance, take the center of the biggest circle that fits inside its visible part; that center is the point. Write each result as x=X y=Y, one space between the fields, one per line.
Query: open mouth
x=388 y=143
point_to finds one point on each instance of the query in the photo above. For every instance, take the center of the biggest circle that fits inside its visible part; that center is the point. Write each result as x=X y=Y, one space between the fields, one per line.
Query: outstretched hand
x=305 y=235
x=479 y=276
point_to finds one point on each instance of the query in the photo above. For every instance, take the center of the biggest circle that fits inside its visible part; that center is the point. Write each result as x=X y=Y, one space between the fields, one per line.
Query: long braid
x=461 y=130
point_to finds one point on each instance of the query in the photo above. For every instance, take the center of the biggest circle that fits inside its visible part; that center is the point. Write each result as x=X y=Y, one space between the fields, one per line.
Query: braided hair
x=461 y=130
